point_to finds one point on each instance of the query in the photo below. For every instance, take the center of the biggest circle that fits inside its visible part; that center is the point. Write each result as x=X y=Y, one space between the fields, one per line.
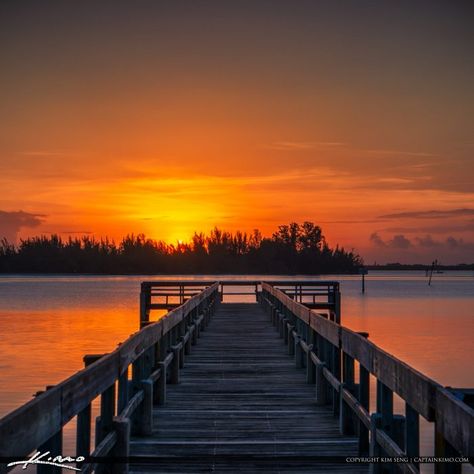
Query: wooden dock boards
x=242 y=406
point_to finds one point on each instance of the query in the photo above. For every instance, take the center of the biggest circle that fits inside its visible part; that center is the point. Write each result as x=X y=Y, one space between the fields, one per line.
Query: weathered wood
x=146 y=408
x=412 y=432
x=242 y=402
x=364 y=400
x=321 y=384
x=132 y=405
x=107 y=412
x=415 y=388
x=121 y=448
x=455 y=422
x=160 y=392
x=54 y=446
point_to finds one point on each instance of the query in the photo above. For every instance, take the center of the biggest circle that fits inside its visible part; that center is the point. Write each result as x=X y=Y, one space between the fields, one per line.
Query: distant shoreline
x=387 y=267
x=422 y=267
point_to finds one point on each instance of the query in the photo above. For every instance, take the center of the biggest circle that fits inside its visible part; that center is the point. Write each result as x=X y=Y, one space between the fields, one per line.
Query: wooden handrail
x=454 y=419
x=34 y=423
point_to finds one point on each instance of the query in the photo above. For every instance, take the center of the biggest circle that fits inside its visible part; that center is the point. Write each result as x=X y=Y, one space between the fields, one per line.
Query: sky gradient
x=166 y=117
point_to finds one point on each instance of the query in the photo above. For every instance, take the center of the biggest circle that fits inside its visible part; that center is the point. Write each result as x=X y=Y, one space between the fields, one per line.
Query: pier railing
x=316 y=294
x=154 y=354
x=333 y=355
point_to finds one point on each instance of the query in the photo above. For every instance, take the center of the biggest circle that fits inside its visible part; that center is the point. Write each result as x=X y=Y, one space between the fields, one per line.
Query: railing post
x=444 y=450
x=160 y=393
x=123 y=389
x=291 y=340
x=145 y=418
x=122 y=446
x=298 y=353
x=310 y=368
x=412 y=432
x=375 y=451
x=145 y=301
x=364 y=399
x=83 y=426
x=107 y=412
x=346 y=424
x=55 y=446
x=321 y=384
x=174 y=370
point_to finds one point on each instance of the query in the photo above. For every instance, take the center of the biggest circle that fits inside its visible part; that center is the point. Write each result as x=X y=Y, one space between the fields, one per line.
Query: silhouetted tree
x=293 y=248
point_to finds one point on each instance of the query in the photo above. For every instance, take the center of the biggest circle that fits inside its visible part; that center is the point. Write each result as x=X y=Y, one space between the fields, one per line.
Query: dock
x=277 y=384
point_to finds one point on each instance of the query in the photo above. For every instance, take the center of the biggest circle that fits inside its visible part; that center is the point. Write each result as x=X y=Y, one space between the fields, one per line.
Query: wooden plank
x=327 y=329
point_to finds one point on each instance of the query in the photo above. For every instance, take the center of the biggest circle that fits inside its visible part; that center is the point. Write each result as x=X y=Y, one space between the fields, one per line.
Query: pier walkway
x=242 y=406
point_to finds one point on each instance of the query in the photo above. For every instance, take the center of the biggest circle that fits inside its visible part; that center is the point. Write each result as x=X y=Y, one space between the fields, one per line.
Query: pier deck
x=242 y=406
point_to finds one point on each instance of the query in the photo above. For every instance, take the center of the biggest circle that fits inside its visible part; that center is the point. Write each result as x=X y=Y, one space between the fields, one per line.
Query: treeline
x=292 y=249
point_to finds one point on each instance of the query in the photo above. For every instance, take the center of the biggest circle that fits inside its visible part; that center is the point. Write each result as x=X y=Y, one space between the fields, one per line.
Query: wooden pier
x=275 y=385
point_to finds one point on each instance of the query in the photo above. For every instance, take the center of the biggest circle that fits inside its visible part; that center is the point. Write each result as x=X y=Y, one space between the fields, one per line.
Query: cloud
x=400 y=242
x=296 y=146
x=426 y=242
x=431 y=214
x=12 y=222
x=377 y=240
x=397 y=242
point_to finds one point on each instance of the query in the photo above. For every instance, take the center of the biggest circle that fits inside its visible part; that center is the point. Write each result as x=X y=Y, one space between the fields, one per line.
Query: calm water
x=48 y=323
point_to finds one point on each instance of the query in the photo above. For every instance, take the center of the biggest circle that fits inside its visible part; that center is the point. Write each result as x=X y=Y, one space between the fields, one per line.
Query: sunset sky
x=166 y=117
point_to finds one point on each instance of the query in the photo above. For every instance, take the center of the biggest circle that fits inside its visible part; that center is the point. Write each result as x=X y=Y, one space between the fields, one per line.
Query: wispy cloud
x=443 y=228
x=398 y=152
x=430 y=214
x=299 y=146
x=48 y=153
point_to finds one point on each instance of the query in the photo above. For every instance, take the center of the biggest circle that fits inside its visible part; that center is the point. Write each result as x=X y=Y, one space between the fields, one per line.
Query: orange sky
x=170 y=117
